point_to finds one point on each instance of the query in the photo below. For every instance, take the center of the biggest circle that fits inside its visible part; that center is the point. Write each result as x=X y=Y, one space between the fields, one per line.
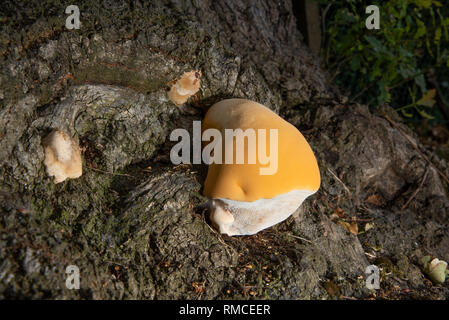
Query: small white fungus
x=62 y=156
x=185 y=87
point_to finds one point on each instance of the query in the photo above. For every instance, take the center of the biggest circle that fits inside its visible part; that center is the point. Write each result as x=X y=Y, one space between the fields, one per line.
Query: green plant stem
x=405 y=107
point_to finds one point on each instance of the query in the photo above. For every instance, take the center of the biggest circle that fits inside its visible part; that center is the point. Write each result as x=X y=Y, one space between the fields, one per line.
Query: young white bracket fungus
x=244 y=201
x=185 y=87
x=436 y=269
x=62 y=156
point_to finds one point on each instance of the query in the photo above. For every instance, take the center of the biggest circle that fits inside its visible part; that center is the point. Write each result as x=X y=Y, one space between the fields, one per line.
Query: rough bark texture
x=130 y=223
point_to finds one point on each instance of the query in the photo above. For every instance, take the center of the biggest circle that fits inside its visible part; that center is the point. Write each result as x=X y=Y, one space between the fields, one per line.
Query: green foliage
x=389 y=64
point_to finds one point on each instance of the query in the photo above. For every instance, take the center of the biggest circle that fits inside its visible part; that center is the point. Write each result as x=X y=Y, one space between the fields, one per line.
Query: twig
x=219 y=237
x=337 y=69
x=300 y=238
x=416 y=191
x=362 y=91
x=338 y=179
x=363 y=220
x=417 y=148
x=112 y=173
x=399 y=280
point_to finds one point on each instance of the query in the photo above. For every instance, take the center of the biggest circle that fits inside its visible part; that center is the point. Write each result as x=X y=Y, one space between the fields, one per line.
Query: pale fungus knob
x=62 y=156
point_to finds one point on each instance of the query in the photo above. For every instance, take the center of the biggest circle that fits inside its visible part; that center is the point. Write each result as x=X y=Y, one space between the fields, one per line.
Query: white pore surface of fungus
x=185 y=87
x=62 y=156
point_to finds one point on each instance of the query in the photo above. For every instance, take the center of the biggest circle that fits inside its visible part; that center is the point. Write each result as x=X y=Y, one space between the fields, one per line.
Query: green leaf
x=379 y=47
x=409 y=22
x=406 y=114
x=376 y=44
x=355 y=63
x=384 y=94
x=406 y=72
x=445 y=22
x=421 y=82
x=424 y=3
x=423 y=114
x=405 y=53
x=437 y=35
x=421 y=29
x=375 y=71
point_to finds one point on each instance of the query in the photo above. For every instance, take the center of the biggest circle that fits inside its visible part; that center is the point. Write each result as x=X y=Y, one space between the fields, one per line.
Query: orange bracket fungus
x=62 y=156
x=185 y=87
x=244 y=198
